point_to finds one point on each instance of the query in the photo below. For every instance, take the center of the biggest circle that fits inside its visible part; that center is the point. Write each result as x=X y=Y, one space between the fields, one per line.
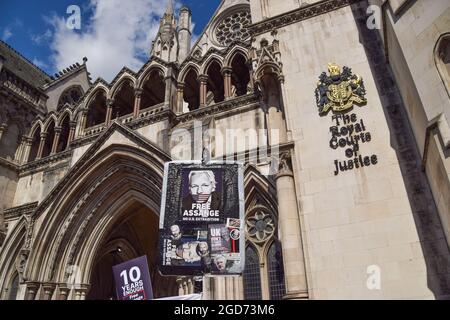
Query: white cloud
x=118 y=34
x=6 y=34
x=42 y=38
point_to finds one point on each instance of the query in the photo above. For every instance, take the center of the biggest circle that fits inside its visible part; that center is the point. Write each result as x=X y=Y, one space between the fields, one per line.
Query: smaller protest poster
x=185 y=250
x=132 y=280
x=225 y=247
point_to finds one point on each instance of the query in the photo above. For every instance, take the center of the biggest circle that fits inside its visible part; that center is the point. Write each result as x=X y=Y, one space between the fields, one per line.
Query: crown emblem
x=334 y=69
x=340 y=90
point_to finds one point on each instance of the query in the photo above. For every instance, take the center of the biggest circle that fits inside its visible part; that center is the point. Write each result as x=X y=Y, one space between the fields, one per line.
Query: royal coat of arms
x=339 y=91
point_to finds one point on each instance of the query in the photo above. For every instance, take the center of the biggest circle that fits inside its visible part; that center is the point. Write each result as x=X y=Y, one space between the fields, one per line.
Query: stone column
x=229 y=288
x=73 y=126
x=27 y=148
x=203 y=79
x=226 y=73
x=180 y=286
x=180 y=90
x=206 y=288
x=286 y=114
x=290 y=230
x=56 y=139
x=190 y=286
x=31 y=290
x=251 y=84
x=219 y=288
x=109 y=108
x=137 y=102
x=81 y=291
x=3 y=127
x=63 y=291
x=41 y=145
x=20 y=150
x=238 y=288
x=82 y=123
x=48 y=288
x=167 y=91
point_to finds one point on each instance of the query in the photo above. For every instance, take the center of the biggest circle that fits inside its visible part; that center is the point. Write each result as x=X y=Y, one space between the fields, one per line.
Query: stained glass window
x=277 y=287
x=252 y=275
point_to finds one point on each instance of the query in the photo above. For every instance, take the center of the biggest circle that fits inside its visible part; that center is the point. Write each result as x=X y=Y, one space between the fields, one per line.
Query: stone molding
x=297 y=15
x=16 y=212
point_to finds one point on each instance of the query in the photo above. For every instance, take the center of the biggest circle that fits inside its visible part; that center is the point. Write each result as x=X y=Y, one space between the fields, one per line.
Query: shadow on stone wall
x=426 y=217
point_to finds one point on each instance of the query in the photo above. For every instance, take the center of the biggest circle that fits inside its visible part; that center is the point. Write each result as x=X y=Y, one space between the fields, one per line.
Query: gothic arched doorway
x=134 y=236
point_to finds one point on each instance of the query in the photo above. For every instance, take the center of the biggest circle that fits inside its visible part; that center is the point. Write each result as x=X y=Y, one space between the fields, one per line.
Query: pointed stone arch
x=186 y=69
x=92 y=93
x=261 y=213
x=215 y=82
x=147 y=72
x=233 y=52
x=240 y=73
x=152 y=87
x=64 y=113
x=122 y=96
x=96 y=106
x=49 y=135
x=191 y=88
x=35 y=139
x=37 y=125
x=10 y=254
x=50 y=119
x=258 y=190
x=207 y=63
x=119 y=83
x=64 y=124
x=82 y=208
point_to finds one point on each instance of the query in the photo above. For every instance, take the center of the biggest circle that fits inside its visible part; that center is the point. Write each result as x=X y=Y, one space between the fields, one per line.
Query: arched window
x=215 y=86
x=123 y=100
x=263 y=274
x=14 y=287
x=240 y=75
x=154 y=89
x=191 y=91
x=275 y=270
x=97 y=110
x=70 y=96
x=35 y=144
x=64 y=135
x=252 y=275
x=49 y=139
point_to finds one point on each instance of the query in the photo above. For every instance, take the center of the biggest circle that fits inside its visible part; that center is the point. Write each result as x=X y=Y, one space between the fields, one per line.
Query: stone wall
x=8 y=183
x=411 y=38
x=36 y=185
x=380 y=216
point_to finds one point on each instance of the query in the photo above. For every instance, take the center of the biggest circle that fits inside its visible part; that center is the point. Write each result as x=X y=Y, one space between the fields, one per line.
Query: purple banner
x=133 y=280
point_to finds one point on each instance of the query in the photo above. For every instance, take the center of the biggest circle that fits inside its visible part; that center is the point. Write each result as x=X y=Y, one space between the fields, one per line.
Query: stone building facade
x=340 y=112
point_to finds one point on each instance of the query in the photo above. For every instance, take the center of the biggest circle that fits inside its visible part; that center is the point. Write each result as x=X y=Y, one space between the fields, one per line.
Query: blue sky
x=113 y=33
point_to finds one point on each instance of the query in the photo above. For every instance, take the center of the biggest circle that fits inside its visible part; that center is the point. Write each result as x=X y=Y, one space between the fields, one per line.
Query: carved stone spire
x=165 y=44
x=169 y=9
